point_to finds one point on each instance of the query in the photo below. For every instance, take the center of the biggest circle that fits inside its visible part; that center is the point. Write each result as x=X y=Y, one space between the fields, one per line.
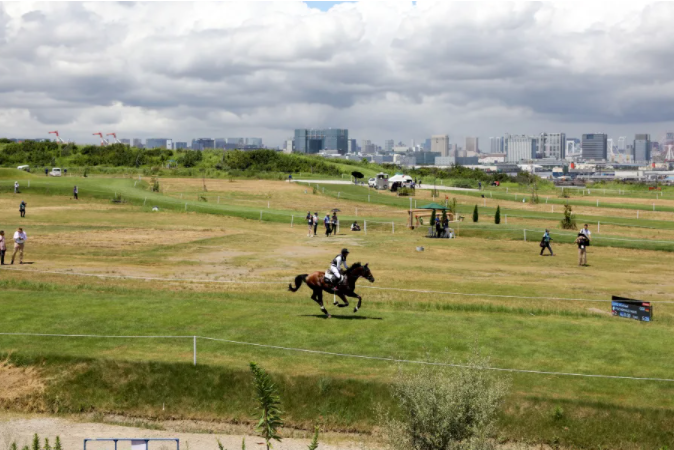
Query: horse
x=316 y=281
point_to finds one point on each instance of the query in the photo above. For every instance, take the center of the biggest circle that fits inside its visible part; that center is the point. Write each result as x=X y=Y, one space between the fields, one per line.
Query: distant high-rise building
x=288 y=146
x=388 y=145
x=440 y=144
x=352 y=146
x=158 y=143
x=203 y=143
x=496 y=144
x=367 y=147
x=236 y=141
x=125 y=141
x=552 y=145
x=315 y=140
x=595 y=146
x=180 y=145
x=621 y=144
x=642 y=147
x=254 y=142
x=520 y=148
x=138 y=143
x=471 y=145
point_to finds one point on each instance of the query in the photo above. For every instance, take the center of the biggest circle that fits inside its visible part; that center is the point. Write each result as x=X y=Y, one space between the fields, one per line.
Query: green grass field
x=225 y=240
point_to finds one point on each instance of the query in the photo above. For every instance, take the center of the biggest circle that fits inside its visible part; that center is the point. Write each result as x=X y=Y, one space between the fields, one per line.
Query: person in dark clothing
x=438 y=227
x=22 y=209
x=315 y=223
x=46 y=172
x=326 y=223
x=545 y=243
x=3 y=247
x=334 y=223
x=75 y=192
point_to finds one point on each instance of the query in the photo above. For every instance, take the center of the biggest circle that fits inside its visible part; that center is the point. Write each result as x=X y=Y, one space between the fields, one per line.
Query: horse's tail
x=298 y=282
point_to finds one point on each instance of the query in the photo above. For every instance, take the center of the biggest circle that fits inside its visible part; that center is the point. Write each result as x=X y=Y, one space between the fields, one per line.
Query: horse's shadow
x=323 y=316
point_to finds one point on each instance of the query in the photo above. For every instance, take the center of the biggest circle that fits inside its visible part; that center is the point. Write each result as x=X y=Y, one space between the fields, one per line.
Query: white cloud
x=383 y=70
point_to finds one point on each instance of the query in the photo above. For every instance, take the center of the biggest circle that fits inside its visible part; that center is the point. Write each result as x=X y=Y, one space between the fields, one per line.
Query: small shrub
x=314 y=441
x=558 y=414
x=57 y=444
x=314 y=190
x=155 y=185
x=568 y=222
x=269 y=405
x=497 y=216
x=476 y=215
x=36 y=442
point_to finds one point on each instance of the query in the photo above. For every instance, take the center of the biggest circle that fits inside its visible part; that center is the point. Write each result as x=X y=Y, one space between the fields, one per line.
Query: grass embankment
x=139 y=377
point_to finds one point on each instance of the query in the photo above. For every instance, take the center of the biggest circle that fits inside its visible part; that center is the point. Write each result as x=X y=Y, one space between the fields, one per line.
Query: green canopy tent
x=431 y=206
x=434 y=206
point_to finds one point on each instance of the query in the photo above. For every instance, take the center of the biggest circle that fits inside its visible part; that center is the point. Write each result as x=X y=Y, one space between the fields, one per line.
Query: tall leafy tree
x=497 y=216
x=475 y=214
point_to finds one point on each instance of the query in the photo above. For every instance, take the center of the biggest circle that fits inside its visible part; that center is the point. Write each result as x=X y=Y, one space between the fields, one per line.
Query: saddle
x=329 y=282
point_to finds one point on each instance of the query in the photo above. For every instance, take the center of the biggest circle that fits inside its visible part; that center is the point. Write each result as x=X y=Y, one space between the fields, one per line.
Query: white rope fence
x=345 y=355
x=423 y=291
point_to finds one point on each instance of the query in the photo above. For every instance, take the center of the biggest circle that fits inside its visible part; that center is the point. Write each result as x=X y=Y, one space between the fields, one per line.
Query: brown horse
x=316 y=281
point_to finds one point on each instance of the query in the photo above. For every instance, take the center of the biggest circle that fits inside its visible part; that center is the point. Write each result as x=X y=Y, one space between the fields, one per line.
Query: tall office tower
x=642 y=147
x=595 y=146
x=203 y=143
x=138 y=143
x=552 y=145
x=388 y=145
x=496 y=144
x=621 y=144
x=520 y=148
x=158 y=143
x=471 y=145
x=440 y=144
x=315 y=140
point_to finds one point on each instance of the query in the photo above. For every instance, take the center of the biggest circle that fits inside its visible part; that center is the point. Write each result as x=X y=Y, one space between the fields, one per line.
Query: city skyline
x=352 y=65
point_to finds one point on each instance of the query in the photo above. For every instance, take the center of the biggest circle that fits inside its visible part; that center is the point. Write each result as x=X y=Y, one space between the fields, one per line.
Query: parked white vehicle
x=381 y=181
x=372 y=182
x=55 y=172
x=26 y=168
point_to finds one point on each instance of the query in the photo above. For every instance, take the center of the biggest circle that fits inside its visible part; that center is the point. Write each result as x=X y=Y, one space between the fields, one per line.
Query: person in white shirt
x=20 y=239
x=586 y=232
x=16 y=187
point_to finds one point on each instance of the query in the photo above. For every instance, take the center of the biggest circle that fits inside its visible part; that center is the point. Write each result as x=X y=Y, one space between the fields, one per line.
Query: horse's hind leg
x=318 y=298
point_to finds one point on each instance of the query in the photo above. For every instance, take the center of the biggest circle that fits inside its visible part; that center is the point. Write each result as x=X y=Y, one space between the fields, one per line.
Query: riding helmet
x=344 y=251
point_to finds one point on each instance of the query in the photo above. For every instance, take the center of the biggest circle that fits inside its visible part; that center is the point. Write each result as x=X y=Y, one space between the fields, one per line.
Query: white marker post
x=218 y=199
x=365 y=227
x=292 y=218
x=260 y=215
x=597 y=203
x=525 y=235
x=598 y=226
x=393 y=227
x=145 y=201
x=195 y=351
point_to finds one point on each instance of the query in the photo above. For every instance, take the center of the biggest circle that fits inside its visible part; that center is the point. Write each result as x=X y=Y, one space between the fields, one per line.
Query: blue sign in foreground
x=632 y=309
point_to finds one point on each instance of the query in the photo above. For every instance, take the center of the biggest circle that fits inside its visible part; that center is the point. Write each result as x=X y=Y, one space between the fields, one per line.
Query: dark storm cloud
x=402 y=69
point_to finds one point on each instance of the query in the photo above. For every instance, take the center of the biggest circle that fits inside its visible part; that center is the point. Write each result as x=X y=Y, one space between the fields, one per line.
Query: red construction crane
x=58 y=138
x=103 y=141
x=115 y=136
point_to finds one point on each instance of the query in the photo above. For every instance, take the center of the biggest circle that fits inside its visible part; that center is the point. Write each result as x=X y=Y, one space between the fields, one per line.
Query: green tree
x=444 y=215
x=432 y=219
x=57 y=445
x=497 y=216
x=269 y=405
x=46 y=445
x=568 y=222
x=36 y=442
x=475 y=214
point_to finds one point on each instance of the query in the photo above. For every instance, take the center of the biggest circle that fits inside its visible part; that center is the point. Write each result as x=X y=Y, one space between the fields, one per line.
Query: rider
x=333 y=276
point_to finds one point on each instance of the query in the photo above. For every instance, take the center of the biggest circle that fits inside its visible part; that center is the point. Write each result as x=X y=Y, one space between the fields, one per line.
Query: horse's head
x=358 y=270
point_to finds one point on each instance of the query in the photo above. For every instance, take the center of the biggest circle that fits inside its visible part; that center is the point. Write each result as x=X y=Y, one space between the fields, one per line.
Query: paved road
x=425 y=186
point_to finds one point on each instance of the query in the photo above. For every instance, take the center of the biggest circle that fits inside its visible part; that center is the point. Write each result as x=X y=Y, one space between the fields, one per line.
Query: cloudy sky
x=384 y=70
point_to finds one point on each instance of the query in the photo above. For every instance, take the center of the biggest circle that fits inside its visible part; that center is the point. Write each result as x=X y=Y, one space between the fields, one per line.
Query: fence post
x=195 y=351
x=525 y=235
x=28 y=183
x=144 y=201
x=365 y=227
x=552 y=208
x=134 y=183
x=267 y=204
x=292 y=219
x=506 y=218
x=598 y=226
x=393 y=227
x=260 y=215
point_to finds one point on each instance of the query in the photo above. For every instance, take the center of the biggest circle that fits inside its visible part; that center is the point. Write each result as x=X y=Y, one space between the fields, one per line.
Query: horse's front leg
x=344 y=303
x=354 y=295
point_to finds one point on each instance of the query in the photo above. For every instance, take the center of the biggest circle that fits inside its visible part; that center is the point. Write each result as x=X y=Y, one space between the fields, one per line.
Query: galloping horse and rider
x=333 y=282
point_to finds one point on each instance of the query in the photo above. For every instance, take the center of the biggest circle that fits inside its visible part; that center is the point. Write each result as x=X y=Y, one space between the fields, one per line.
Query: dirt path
x=20 y=429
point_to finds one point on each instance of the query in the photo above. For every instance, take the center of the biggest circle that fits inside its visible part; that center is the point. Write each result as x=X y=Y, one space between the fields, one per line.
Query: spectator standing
x=479 y=183
x=3 y=247
x=22 y=208
x=46 y=172
x=75 y=192
x=586 y=232
x=335 y=223
x=310 y=222
x=582 y=241
x=20 y=239
x=326 y=223
x=16 y=187
x=315 y=219
x=438 y=226
x=545 y=242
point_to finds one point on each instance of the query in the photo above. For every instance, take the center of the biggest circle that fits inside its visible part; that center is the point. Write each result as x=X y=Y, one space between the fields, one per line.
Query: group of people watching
x=19 y=238
x=442 y=229
x=582 y=241
x=331 y=223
